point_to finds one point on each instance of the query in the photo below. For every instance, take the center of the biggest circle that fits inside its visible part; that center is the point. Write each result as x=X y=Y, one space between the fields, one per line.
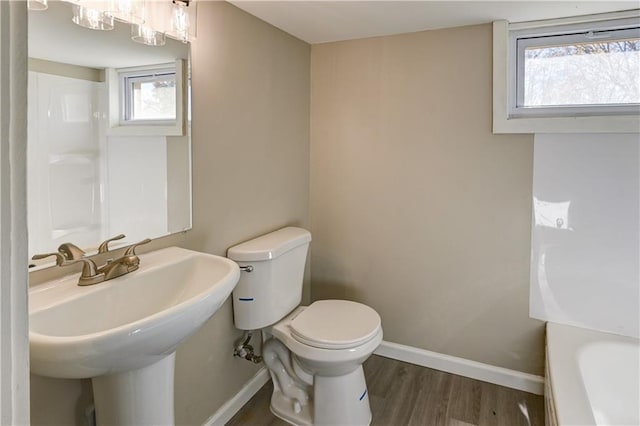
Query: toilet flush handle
x=247 y=268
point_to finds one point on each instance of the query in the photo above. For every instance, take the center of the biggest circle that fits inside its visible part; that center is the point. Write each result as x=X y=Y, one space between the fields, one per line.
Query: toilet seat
x=335 y=324
x=322 y=361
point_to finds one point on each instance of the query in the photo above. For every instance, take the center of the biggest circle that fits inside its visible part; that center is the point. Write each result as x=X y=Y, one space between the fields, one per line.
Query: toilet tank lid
x=271 y=245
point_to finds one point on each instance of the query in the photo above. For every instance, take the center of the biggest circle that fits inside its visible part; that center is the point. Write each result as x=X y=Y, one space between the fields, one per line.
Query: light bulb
x=147 y=35
x=132 y=11
x=180 y=20
x=91 y=18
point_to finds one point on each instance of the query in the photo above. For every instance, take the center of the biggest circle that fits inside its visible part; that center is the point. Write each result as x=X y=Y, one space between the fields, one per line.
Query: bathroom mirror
x=109 y=148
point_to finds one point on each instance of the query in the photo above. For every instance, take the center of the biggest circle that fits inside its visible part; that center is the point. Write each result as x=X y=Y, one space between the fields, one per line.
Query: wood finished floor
x=405 y=394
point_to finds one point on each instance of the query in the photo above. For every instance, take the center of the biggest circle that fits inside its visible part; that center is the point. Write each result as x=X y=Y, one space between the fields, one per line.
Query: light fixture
x=37 y=4
x=147 y=35
x=92 y=18
x=180 y=19
x=132 y=11
x=152 y=20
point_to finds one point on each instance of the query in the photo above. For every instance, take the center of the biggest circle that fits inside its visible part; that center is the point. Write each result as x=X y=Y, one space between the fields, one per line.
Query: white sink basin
x=128 y=323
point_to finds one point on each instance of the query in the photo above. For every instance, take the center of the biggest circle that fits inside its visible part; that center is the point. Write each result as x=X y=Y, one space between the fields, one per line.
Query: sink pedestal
x=136 y=397
x=130 y=329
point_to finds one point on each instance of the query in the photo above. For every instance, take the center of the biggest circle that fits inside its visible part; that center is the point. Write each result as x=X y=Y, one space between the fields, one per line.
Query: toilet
x=314 y=353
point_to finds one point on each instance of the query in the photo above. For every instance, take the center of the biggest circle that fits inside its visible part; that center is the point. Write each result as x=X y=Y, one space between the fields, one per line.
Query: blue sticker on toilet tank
x=363 y=394
x=245 y=299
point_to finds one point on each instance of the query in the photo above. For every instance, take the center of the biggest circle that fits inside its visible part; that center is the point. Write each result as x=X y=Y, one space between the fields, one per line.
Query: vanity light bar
x=151 y=20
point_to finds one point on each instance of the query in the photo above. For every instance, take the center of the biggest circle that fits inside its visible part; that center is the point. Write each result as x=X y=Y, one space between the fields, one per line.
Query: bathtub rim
x=563 y=344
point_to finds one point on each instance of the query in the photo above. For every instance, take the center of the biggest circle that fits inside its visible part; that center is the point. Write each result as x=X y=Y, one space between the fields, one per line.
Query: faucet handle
x=89 y=273
x=104 y=247
x=131 y=250
x=71 y=251
x=60 y=259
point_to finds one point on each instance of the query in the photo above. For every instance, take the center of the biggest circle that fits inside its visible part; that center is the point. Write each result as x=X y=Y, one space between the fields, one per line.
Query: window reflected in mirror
x=105 y=156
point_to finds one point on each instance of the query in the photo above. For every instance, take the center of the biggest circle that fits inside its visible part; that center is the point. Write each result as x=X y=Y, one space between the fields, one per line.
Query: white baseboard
x=451 y=364
x=232 y=406
x=463 y=367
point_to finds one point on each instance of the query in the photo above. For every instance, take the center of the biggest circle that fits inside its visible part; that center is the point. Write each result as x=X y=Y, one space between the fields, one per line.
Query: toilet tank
x=273 y=288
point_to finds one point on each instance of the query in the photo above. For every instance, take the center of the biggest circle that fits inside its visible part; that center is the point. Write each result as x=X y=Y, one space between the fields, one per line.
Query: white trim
x=232 y=406
x=576 y=34
x=501 y=81
x=463 y=367
x=14 y=340
x=126 y=78
x=502 y=123
x=451 y=364
x=515 y=26
x=177 y=126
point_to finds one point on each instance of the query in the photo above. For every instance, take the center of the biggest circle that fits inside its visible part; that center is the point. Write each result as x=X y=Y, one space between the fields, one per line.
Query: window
x=148 y=96
x=588 y=69
x=148 y=100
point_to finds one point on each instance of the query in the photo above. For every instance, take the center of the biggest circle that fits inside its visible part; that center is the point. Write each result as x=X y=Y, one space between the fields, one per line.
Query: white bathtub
x=592 y=378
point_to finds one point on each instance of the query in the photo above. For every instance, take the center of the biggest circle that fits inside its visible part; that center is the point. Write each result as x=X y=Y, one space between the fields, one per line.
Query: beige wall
x=250 y=176
x=66 y=70
x=417 y=209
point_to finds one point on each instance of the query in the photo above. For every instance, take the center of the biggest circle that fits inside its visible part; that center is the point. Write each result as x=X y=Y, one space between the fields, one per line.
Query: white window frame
x=126 y=94
x=117 y=101
x=541 y=37
x=509 y=118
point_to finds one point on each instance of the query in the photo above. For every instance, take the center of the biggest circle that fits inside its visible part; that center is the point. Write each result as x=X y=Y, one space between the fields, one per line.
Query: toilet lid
x=335 y=324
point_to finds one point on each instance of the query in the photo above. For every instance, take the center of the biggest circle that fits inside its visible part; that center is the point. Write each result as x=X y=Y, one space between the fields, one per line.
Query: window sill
x=143 y=130
x=599 y=124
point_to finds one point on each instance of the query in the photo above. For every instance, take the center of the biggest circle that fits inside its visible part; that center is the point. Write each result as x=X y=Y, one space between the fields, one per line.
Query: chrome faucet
x=91 y=273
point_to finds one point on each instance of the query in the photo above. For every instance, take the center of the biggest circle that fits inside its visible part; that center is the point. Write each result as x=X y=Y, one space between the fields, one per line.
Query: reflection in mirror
x=108 y=134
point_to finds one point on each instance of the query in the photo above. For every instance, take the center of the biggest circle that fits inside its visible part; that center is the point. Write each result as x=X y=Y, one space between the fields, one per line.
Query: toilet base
x=283 y=407
x=342 y=400
x=338 y=400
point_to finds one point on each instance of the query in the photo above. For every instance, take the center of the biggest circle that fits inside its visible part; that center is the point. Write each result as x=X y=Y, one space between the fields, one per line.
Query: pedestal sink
x=123 y=333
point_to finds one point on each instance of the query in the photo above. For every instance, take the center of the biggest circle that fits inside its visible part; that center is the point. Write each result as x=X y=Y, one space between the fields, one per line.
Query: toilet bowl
x=329 y=340
x=314 y=353
x=331 y=337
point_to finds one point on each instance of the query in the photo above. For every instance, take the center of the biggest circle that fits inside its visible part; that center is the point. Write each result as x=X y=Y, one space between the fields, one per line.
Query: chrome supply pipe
x=244 y=350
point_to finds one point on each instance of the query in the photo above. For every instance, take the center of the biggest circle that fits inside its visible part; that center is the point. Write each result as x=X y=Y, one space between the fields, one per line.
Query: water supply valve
x=244 y=350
